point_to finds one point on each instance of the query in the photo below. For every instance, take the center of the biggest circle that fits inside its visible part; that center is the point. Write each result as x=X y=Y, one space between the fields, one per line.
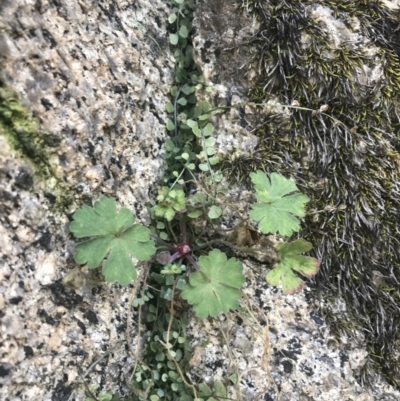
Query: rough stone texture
x=97 y=74
x=50 y=334
x=289 y=349
x=217 y=31
x=392 y=4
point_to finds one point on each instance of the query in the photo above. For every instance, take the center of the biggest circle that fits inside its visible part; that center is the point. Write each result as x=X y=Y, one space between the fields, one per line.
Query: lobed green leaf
x=277 y=210
x=215 y=288
x=114 y=234
x=292 y=261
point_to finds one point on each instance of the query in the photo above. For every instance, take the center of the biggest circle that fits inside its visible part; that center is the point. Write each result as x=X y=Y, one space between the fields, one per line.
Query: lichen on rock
x=340 y=60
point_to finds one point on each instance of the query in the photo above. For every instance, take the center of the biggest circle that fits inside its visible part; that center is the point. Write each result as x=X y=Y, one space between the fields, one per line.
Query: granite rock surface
x=96 y=75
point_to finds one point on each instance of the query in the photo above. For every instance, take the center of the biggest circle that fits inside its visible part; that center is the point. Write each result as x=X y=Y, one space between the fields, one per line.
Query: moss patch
x=348 y=162
x=21 y=129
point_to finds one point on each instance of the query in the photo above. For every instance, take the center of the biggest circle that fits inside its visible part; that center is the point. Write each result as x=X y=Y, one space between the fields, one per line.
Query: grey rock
x=97 y=76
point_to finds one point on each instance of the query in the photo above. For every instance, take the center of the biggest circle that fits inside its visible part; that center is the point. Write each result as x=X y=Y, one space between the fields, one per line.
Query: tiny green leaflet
x=207 y=394
x=169 y=202
x=278 y=207
x=113 y=235
x=214 y=212
x=215 y=288
x=289 y=254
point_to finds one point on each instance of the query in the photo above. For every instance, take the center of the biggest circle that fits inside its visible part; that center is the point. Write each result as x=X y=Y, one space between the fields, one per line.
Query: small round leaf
x=182 y=101
x=183 y=32
x=170 y=125
x=169 y=107
x=214 y=212
x=173 y=38
x=172 y=18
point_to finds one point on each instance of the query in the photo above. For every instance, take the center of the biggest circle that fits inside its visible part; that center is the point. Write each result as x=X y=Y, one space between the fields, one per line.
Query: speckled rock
x=50 y=333
x=216 y=32
x=95 y=75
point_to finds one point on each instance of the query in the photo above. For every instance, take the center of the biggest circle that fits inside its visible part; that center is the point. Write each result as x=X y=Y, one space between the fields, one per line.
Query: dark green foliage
x=183 y=99
x=168 y=384
x=350 y=168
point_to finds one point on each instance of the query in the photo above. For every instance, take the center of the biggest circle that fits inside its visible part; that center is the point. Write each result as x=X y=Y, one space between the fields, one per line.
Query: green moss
x=348 y=163
x=21 y=129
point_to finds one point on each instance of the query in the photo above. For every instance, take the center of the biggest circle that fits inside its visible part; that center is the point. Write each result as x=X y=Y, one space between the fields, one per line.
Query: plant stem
x=177 y=178
x=160 y=241
x=183 y=232
x=175 y=110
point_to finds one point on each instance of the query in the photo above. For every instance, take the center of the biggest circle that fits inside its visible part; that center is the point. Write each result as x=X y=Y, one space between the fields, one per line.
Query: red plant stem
x=175 y=256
